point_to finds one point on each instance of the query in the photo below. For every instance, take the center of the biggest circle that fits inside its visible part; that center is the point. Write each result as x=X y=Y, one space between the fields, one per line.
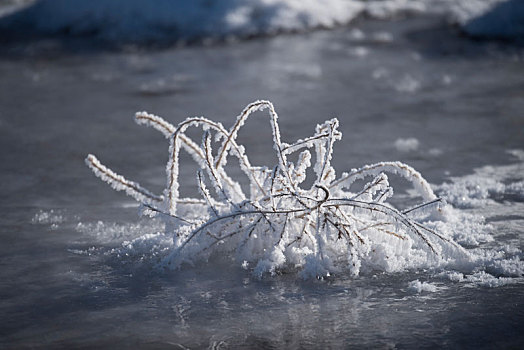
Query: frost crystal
x=280 y=225
x=418 y=287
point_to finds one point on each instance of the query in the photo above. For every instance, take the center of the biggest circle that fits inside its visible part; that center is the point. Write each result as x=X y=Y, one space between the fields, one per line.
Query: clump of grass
x=281 y=225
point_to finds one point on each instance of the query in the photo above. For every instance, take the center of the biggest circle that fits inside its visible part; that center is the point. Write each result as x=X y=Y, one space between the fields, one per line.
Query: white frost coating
x=401 y=169
x=204 y=192
x=418 y=287
x=144 y=118
x=487 y=280
x=323 y=169
x=167 y=129
x=282 y=225
x=481 y=278
x=241 y=119
x=318 y=231
x=179 y=139
x=171 y=191
x=119 y=183
x=304 y=162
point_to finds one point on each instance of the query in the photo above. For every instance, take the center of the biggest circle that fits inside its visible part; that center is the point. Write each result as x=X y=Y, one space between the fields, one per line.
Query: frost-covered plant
x=280 y=224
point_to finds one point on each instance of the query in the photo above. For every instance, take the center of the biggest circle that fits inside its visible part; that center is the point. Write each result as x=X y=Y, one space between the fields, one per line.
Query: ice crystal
x=280 y=225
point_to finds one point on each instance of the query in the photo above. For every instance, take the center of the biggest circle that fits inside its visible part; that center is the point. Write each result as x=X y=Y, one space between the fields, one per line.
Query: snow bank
x=481 y=278
x=161 y=20
x=136 y=20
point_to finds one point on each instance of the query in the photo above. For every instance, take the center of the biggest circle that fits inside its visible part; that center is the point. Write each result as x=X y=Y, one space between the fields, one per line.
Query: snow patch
x=485 y=186
x=418 y=287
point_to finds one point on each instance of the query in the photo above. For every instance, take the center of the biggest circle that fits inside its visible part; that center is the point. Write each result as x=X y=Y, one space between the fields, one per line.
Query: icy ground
x=412 y=90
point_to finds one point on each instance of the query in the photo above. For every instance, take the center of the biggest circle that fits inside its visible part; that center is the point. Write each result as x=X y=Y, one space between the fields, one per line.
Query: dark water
x=63 y=286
